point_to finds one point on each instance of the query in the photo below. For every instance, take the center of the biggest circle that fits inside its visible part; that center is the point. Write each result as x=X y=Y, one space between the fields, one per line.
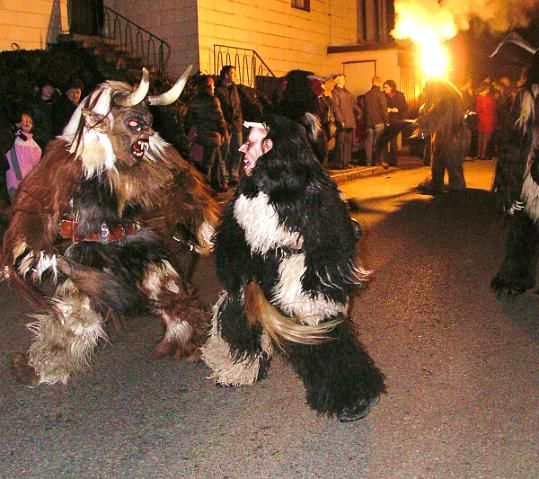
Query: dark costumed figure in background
x=93 y=187
x=299 y=102
x=516 y=183
x=285 y=255
x=442 y=117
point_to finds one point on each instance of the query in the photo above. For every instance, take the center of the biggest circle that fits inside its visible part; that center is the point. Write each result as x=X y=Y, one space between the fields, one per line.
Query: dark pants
x=231 y=154
x=343 y=147
x=388 y=137
x=212 y=164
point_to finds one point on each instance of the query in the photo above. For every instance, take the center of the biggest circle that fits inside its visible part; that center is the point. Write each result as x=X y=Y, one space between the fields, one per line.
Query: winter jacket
x=397 y=101
x=206 y=114
x=345 y=108
x=485 y=107
x=24 y=154
x=375 y=107
x=231 y=104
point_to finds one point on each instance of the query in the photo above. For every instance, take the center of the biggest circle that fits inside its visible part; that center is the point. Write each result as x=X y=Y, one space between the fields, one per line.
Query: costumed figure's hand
x=27 y=244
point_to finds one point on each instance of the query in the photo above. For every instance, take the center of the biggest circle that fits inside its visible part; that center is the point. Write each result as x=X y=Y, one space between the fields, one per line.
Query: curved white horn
x=513 y=37
x=174 y=93
x=138 y=95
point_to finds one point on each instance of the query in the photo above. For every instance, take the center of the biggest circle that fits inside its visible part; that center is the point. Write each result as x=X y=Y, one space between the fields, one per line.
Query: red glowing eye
x=134 y=124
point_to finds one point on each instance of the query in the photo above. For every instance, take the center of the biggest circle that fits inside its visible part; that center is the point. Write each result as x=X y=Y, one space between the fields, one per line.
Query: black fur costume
x=287 y=235
x=516 y=183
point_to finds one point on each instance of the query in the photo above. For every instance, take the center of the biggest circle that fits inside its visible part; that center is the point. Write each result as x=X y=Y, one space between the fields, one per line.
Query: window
x=376 y=19
x=302 y=4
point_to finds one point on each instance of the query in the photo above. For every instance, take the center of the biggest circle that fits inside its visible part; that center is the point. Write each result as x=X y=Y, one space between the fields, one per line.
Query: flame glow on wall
x=428 y=26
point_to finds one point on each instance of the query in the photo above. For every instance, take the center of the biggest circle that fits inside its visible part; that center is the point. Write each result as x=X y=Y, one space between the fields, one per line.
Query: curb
x=405 y=162
x=351 y=174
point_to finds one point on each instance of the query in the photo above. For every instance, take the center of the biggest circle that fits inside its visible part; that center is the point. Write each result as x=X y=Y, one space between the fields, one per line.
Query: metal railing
x=137 y=41
x=250 y=67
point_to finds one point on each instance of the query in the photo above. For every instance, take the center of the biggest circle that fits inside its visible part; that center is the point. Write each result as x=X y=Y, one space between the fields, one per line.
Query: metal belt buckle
x=104 y=232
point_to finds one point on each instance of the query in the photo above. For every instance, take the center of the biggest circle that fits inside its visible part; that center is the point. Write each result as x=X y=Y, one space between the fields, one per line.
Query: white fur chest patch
x=260 y=222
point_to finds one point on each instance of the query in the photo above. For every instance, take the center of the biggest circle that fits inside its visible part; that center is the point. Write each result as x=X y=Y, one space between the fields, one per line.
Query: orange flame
x=428 y=25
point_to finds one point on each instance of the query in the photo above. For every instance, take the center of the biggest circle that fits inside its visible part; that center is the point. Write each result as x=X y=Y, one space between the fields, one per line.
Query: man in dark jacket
x=228 y=95
x=397 y=108
x=211 y=132
x=346 y=111
x=376 y=116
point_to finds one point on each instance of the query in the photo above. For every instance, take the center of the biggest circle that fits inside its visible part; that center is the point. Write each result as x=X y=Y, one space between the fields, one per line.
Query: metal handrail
x=250 y=66
x=137 y=41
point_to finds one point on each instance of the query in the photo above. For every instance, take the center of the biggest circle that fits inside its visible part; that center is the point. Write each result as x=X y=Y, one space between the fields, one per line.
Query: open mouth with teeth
x=139 y=148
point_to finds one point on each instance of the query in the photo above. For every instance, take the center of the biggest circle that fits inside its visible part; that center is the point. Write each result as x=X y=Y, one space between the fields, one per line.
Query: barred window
x=302 y=4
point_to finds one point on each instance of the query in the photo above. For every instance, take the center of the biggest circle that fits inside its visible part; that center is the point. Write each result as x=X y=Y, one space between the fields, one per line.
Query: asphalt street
x=461 y=367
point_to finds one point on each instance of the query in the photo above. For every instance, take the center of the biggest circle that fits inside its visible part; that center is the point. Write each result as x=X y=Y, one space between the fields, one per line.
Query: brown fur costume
x=443 y=118
x=100 y=179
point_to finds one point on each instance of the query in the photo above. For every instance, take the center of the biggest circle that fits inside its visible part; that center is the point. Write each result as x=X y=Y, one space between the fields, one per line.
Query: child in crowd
x=23 y=155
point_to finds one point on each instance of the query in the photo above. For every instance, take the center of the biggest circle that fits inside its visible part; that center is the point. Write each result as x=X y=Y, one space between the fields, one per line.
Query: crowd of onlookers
x=38 y=119
x=362 y=130
x=486 y=107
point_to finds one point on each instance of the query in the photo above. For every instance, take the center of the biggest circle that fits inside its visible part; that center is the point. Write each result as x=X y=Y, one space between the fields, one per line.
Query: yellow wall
x=171 y=20
x=31 y=24
x=285 y=37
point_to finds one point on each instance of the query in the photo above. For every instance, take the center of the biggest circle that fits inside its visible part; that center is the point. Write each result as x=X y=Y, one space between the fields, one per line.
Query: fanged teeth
x=139 y=148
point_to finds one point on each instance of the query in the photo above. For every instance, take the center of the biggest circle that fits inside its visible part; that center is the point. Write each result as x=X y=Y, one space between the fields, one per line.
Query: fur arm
x=329 y=245
x=187 y=204
x=42 y=198
x=171 y=191
x=232 y=253
x=516 y=144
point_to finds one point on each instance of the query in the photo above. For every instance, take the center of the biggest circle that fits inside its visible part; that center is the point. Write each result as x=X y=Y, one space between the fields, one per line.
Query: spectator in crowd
x=42 y=108
x=503 y=97
x=376 y=117
x=327 y=114
x=485 y=107
x=206 y=116
x=346 y=111
x=23 y=155
x=361 y=130
x=227 y=93
x=66 y=105
x=397 y=109
x=468 y=103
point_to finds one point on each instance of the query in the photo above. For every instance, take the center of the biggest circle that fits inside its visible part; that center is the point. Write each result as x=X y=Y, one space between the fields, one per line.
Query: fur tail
x=259 y=310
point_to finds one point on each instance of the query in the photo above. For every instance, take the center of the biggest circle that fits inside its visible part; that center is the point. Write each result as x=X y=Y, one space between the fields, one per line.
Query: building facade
x=324 y=36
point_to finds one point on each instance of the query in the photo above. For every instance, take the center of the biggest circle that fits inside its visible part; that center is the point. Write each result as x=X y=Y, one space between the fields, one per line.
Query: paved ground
x=461 y=369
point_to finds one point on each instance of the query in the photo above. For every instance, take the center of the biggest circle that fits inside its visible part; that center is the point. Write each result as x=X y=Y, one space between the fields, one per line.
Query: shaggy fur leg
x=65 y=338
x=517 y=271
x=237 y=353
x=339 y=376
x=186 y=326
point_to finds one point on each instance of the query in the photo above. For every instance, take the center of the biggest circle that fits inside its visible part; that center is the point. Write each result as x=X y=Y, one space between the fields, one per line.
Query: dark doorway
x=86 y=16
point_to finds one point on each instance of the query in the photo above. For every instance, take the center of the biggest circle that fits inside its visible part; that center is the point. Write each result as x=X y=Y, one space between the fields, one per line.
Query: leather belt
x=68 y=229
